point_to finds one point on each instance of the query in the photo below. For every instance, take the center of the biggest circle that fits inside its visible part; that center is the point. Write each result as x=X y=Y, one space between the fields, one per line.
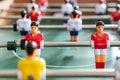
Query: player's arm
x=19 y=75
x=80 y=25
x=43 y=74
x=17 y=25
x=92 y=41
x=69 y=25
x=108 y=41
x=119 y=25
x=42 y=42
x=39 y=16
x=43 y=67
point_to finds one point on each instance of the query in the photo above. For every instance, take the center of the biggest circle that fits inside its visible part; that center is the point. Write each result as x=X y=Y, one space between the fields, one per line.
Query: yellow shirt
x=30 y=67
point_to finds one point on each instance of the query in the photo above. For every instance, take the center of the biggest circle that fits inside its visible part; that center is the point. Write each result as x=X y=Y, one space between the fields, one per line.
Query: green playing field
x=58 y=57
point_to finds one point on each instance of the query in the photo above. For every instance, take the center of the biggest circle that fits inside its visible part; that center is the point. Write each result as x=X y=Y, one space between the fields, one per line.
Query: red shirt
x=37 y=38
x=42 y=2
x=79 y=16
x=100 y=42
x=34 y=16
x=115 y=15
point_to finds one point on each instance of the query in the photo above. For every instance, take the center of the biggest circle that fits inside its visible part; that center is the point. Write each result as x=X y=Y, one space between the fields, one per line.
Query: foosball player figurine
x=66 y=9
x=115 y=15
x=22 y=24
x=74 y=25
x=32 y=3
x=35 y=36
x=31 y=67
x=35 y=15
x=43 y=6
x=100 y=42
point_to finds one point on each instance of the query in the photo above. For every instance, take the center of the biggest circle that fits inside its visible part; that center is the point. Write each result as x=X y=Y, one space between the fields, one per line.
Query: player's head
x=99 y=23
x=74 y=13
x=34 y=24
x=101 y=1
x=34 y=27
x=100 y=26
x=30 y=47
x=23 y=13
x=33 y=8
x=67 y=1
x=32 y=1
x=76 y=7
x=117 y=7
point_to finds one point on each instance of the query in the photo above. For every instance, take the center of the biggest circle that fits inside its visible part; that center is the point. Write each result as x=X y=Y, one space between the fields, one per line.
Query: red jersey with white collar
x=37 y=38
x=42 y=2
x=34 y=16
x=100 y=42
x=43 y=6
x=115 y=15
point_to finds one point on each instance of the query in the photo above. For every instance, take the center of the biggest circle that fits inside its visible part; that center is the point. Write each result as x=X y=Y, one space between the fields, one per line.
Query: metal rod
x=67 y=73
x=57 y=10
x=61 y=17
x=88 y=5
x=69 y=44
x=77 y=44
x=107 y=26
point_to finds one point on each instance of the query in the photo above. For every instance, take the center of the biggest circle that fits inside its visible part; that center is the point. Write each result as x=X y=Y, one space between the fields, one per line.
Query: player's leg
x=76 y=35
x=97 y=58
x=103 y=53
x=72 y=35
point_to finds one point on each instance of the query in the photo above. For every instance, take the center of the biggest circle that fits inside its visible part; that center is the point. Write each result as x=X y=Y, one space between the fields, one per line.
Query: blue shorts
x=22 y=33
x=100 y=13
x=66 y=14
x=74 y=33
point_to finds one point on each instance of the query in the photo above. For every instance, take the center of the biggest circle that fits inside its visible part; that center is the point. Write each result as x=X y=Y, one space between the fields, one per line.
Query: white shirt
x=29 y=7
x=74 y=24
x=66 y=8
x=23 y=24
x=100 y=8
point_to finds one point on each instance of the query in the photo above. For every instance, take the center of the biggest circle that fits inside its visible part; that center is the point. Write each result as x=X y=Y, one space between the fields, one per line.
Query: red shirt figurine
x=36 y=37
x=115 y=15
x=35 y=15
x=100 y=43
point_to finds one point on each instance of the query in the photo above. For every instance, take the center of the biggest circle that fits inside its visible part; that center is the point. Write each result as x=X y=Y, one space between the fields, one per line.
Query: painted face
x=34 y=29
x=100 y=29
